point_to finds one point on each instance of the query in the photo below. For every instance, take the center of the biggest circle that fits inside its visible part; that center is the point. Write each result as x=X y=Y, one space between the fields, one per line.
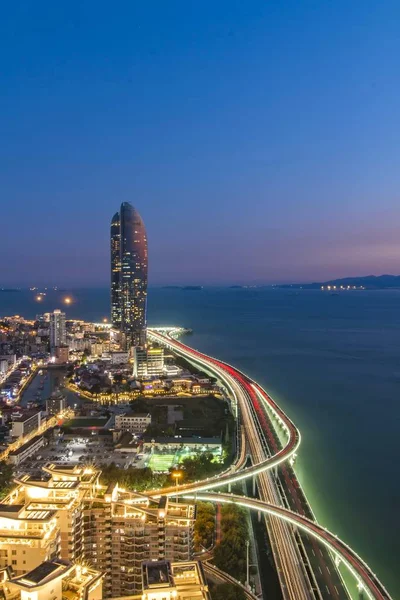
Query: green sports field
x=162 y=462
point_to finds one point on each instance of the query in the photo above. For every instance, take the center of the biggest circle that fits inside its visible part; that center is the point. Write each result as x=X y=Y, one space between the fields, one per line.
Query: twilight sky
x=259 y=140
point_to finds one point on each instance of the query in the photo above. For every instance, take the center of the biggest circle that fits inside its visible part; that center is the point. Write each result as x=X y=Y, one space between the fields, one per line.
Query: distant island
x=183 y=287
x=369 y=282
x=9 y=290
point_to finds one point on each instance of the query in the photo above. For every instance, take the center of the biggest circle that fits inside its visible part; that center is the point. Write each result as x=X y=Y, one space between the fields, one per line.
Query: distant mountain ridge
x=369 y=282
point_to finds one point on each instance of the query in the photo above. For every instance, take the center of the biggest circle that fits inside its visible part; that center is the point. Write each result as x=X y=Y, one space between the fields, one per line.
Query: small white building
x=172 y=370
x=133 y=422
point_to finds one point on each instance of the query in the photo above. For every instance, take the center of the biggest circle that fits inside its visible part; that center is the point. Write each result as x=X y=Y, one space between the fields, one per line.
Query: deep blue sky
x=259 y=140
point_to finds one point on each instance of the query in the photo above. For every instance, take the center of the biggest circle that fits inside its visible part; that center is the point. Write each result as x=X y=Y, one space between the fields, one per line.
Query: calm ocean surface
x=332 y=362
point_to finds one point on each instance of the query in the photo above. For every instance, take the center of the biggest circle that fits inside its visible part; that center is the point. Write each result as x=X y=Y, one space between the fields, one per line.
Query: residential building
x=129 y=264
x=58 y=335
x=119 y=358
x=133 y=422
x=79 y=344
x=119 y=535
x=56 y=403
x=96 y=349
x=60 y=355
x=25 y=422
x=72 y=517
x=55 y=580
x=29 y=535
x=165 y=580
x=66 y=490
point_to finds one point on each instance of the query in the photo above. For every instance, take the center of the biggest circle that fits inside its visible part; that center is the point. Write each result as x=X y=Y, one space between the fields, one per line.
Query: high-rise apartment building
x=58 y=334
x=71 y=516
x=119 y=535
x=129 y=266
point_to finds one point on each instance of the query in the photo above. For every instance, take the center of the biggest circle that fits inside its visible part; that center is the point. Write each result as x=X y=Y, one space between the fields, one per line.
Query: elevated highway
x=253 y=405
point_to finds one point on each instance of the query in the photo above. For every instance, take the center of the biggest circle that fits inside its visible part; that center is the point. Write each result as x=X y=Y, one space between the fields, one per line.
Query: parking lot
x=80 y=451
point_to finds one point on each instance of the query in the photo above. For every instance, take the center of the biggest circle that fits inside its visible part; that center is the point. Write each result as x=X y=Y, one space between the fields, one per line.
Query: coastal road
x=254 y=406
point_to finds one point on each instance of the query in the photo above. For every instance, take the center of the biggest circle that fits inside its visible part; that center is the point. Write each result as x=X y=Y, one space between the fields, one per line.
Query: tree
x=204 y=527
x=230 y=554
x=6 y=478
x=227 y=591
x=132 y=478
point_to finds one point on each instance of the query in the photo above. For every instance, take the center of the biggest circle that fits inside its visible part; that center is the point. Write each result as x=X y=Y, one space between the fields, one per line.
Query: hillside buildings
x=71 y=516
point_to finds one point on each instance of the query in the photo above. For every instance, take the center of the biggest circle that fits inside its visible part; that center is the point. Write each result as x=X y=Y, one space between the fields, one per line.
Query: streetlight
x=176 y=475
x=247 y=565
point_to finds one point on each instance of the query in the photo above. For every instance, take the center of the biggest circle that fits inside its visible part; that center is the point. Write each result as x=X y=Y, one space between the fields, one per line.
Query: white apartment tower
x=58 y=335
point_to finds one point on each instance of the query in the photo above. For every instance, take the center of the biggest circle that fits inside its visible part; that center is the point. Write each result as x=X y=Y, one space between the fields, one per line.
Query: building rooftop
x=134 y=414
x=157 y=574
x=43 y=573
x=25 y=416
x=10 y=509
x=184 y=580
x=184 y=440
x=25 y=446
x=77 y=581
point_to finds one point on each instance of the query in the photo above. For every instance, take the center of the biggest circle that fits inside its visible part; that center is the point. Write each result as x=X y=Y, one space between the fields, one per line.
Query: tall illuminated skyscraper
x=129 y=275
x=116 y=308
x=58 y=336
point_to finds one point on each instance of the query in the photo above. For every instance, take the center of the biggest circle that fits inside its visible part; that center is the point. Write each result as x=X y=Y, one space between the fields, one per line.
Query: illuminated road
x=48 y=424
x=255 y=408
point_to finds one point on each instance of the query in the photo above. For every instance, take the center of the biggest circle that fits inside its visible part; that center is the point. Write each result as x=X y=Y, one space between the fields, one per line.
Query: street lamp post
x=176 y=475
x=247 y=564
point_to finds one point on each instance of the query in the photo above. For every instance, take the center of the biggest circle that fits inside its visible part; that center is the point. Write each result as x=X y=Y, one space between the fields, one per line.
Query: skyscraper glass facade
x=129 y=264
